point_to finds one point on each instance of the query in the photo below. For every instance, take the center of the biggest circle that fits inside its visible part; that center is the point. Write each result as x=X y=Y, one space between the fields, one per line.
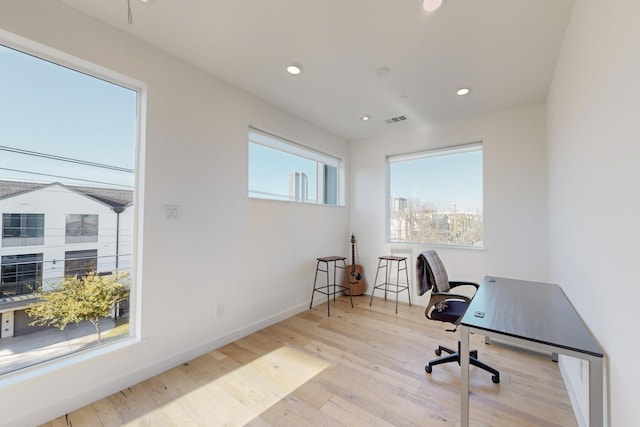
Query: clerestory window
x=284 y=170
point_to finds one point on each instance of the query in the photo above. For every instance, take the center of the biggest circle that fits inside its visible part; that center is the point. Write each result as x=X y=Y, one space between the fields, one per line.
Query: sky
x=446 y=181
x=269 y=171
x=50 y=109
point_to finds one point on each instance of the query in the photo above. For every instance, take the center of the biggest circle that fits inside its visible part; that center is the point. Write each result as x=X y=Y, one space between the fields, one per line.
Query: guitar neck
x=353 y=255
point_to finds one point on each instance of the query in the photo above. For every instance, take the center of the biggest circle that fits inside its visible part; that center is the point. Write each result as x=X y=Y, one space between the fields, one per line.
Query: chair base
x=454 y=356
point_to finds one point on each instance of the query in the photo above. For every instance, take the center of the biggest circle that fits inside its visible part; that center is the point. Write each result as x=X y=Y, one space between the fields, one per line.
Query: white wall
x=255 y=257
x=515 y=204
x=594 y=151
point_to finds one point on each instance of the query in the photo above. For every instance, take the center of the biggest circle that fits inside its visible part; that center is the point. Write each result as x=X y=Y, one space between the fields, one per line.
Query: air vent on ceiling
x=396 y=119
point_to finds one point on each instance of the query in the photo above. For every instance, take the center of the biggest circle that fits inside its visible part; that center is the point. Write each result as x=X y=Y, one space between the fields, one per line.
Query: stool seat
x=325 y=289
x=386 y=262
x=393 y=258
x=331 y=258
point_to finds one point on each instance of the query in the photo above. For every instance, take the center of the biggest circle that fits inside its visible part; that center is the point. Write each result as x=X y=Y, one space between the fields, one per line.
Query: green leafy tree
x=78 y=299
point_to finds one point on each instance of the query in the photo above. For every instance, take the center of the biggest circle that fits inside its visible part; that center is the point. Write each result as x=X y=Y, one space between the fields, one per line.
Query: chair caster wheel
x=427 y=369
x=438 y=352
x=495 y=379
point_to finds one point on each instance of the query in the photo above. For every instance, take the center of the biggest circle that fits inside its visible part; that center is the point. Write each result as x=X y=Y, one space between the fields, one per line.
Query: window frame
x=424 y=154
x=329 y=169
x=92 y=69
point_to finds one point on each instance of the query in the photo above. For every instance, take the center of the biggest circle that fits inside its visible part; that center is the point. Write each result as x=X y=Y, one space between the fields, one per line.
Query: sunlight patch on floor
x=243 y=394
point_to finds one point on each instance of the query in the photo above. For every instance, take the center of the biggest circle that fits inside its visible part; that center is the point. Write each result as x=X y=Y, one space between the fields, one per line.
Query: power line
x=66 y=177
x=64 y=159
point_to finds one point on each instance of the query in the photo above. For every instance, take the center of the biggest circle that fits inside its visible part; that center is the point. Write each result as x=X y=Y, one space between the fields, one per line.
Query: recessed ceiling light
x=463 y=91
x=431 y=5
x=364 y=118
x=294 y=69
x=148 y=1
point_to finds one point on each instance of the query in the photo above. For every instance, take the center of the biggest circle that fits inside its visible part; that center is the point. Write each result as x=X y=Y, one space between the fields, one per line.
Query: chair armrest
x=464 y=288
x=454 y=284
x=437 y=297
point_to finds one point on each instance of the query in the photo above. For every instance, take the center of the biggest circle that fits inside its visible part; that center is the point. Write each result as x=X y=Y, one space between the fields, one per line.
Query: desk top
x=533 y=311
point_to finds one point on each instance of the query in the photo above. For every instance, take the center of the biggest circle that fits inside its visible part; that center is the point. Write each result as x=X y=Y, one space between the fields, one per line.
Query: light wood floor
x=359 y=367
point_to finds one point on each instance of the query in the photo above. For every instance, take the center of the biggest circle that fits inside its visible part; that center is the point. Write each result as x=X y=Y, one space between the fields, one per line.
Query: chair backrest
x=436 y=273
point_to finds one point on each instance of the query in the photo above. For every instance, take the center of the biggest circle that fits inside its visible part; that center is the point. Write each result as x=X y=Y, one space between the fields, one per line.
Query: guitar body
x=355 y=279
x=354 y=276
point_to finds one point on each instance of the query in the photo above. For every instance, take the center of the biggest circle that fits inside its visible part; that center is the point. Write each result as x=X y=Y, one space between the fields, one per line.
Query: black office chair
x=446 y=306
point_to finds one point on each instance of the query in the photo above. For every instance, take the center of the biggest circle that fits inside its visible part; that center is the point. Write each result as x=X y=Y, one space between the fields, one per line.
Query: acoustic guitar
x=354 y=277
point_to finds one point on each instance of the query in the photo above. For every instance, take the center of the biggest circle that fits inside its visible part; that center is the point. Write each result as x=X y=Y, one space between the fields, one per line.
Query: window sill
x=65 y=361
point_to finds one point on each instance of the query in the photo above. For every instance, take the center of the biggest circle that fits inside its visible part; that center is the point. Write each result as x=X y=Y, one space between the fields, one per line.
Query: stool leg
x=334 y=281
x=348 y=283
x=314 y=284
x=328 y=293
x=406 y=272
x=397 y=283
x=387 y=277
x=375 y=281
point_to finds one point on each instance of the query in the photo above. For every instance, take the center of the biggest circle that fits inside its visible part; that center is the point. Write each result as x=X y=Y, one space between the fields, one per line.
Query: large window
x=21 y=274
x=435 y=197
x=21 y=229
x=283 y=170
x=69 y=133
x=81 y=228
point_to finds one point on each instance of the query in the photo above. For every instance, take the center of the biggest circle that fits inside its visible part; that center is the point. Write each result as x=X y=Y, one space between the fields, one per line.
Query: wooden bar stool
x=326 y=289
x=396 y=287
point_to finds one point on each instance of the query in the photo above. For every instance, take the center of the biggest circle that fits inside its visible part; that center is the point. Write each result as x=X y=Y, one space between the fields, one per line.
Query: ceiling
x=504 y=50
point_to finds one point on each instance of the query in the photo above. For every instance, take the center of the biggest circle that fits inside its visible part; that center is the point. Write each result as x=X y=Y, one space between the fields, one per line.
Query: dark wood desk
x=534 y=315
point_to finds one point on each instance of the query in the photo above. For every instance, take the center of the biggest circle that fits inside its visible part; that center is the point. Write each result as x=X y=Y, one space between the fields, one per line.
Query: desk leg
x=464 y=377
x=595 y=392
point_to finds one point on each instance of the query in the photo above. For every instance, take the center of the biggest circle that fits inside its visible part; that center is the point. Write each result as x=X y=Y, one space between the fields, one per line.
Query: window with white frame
x=436 y=197
x=284 y=170
x=69 y=133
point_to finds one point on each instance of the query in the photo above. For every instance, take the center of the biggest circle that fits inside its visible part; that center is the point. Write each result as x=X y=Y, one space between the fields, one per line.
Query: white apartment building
x=298 y=187
x=51 y=231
